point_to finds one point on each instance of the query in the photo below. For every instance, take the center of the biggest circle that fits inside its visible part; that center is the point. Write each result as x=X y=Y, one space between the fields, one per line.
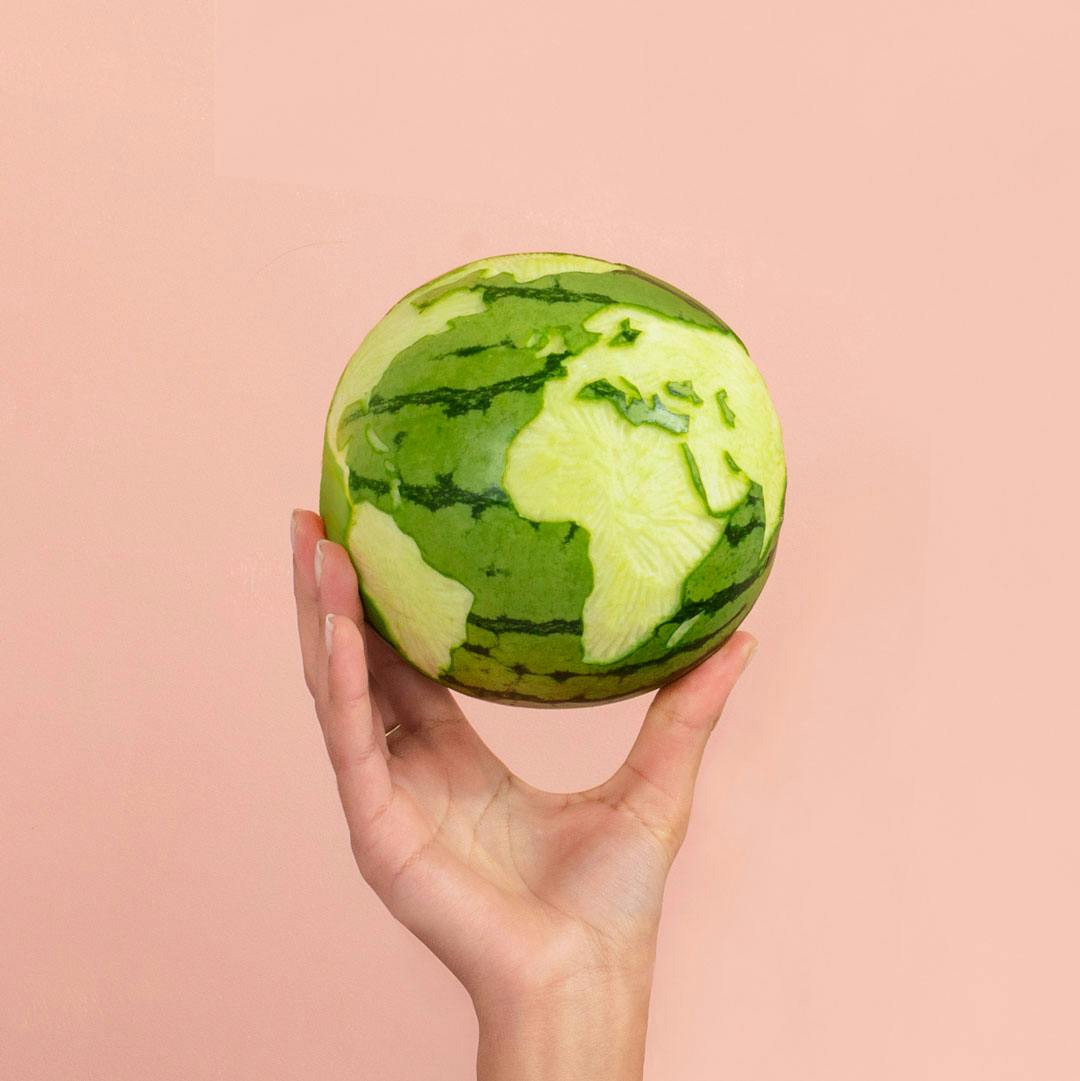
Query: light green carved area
x=401 y=583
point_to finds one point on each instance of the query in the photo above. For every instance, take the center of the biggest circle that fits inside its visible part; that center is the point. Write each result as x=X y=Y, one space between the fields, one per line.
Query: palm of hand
x=501 y=880
x=495 y=874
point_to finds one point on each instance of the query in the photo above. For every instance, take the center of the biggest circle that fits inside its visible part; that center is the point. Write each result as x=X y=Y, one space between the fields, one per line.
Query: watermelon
x=560 y=479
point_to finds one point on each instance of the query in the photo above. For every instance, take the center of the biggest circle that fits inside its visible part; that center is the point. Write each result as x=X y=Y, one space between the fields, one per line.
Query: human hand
x=545 y=905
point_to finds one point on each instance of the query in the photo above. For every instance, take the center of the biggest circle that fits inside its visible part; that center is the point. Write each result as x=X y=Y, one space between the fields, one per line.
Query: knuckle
x=365 y=836
x=345 y=759
x=647 y=782
x=676 y=725
x=355 y=704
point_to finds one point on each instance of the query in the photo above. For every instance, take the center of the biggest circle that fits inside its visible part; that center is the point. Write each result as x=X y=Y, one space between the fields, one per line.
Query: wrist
x=587 y=1025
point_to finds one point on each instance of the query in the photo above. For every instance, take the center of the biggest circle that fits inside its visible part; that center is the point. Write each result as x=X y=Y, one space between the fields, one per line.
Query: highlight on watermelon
x=561 y=480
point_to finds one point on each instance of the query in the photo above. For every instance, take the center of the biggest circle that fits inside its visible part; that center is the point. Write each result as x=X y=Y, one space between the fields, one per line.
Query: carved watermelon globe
x=560 y=480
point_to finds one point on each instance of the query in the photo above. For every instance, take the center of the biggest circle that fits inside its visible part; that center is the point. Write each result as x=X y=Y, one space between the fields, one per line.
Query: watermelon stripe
x=736 y=534
x=458 y=400
x=713 y=604
x=472 y=350
x=434 y=497
x=510 y=625
x=551 y=294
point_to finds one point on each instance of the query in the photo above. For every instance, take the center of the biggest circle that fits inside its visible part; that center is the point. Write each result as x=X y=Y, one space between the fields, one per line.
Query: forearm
x=565 y=1035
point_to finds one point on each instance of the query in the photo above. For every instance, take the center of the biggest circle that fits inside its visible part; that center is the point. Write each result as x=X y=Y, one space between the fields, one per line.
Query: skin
x=545 y=905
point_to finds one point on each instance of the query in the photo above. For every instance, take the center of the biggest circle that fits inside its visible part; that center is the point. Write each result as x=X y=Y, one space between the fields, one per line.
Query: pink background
x=204 y=209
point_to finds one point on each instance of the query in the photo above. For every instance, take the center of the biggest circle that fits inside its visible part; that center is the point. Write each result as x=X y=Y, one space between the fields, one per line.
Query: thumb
x=659 y=772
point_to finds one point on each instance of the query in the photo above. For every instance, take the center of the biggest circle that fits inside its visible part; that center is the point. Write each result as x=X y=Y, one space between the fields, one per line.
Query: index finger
x=306 y=531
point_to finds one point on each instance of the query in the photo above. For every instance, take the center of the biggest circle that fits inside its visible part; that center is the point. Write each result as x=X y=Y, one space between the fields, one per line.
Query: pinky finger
x=357 y=752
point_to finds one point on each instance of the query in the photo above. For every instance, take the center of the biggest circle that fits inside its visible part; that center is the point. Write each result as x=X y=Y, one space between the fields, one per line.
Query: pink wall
x=203 y=211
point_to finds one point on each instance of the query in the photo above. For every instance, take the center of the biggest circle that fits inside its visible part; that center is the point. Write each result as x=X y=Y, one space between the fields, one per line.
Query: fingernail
x=293 y=523
x=320 y=551
x=748 y=656
x=328 y=628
